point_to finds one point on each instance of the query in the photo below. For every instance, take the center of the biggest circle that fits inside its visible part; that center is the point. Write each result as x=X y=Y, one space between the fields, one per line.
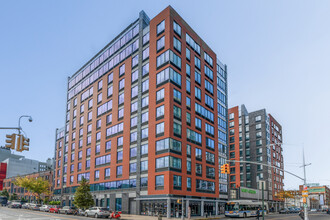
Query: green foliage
x=23 y=199
x=5 y=193
x=13 y=197
x=54 y=203
x=83 y=198
x=38 y=186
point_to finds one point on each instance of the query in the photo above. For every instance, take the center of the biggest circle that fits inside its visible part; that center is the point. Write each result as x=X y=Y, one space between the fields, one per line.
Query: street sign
x=305 y=205
x=304 y=193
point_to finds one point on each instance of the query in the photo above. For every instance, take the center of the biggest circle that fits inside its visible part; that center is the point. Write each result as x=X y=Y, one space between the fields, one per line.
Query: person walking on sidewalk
x=258 y=213
x=302 y=214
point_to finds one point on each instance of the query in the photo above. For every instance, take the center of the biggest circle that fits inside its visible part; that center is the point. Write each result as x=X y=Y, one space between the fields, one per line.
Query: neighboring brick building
x=255 y=136
x=146 y=122
x=23 y=193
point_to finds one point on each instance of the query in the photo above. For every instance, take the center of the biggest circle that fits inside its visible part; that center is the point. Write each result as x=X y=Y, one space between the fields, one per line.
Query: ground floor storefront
x=166 y=206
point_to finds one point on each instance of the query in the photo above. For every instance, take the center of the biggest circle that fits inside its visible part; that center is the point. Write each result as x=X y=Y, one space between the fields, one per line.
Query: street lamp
x=19 y=122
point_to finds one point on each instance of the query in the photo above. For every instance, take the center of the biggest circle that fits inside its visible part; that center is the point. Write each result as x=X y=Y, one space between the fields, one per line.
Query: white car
x=45 y=208
x=97 y=212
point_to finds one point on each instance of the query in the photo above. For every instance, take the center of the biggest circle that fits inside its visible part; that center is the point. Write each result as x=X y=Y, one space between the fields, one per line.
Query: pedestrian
x=302 y=214
x=258 y=213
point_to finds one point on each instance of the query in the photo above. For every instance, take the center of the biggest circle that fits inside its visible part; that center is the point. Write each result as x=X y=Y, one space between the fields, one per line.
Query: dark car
x=67 y=210
x=284 y=211
x=328 y=211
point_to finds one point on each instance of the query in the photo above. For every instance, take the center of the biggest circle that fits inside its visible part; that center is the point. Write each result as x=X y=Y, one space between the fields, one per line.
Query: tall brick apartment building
x=255 y=136
x=146 y=122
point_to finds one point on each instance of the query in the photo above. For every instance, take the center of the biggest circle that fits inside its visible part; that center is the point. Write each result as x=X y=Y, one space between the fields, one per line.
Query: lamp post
x=19 y=122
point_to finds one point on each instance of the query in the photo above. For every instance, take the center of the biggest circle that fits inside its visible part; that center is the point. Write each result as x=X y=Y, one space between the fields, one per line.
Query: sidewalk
x=143 y=217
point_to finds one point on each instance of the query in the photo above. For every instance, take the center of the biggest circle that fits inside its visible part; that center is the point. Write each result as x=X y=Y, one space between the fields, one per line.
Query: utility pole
x=263 y=205
x=304 y=165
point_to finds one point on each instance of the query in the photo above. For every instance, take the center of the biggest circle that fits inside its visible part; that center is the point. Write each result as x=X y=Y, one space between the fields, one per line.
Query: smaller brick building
x=9 y=185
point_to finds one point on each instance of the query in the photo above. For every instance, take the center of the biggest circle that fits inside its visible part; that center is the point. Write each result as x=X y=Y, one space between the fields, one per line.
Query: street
x=17 y=214
x=312 y=216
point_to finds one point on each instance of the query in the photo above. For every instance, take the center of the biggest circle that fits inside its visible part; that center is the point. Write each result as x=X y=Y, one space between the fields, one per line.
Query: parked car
x=313 y=210
x=328 y=211
x=97 y=212
x=25 y=205
x=80 y=212
x=54 y=209
x=45 y=208
x=67 y=210
x=35 y=207
x=15 y=205
x=284 y=211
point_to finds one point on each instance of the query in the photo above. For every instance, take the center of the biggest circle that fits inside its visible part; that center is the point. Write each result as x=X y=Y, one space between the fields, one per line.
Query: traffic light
x=227 y=169
x=11 y=141
x=21 y=143
x=223 y=168
x=178 y=201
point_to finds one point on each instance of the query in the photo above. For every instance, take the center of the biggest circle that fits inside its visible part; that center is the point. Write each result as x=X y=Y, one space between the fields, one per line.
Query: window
x=176 y=28
x=145 y=53
x=120 y=113
x=197 y=77
x=199 y=169
x=160 y=129
x=145 y=85
x=145 y=69
x=167 y=56
x=258 y=126
x=134 y=121
x=188 y=183
x=132 y=167
x=198 y=153
x=188 y=70
x=110 y=77
x=177 y=44
x=209 y=157
x=258 y=134
x=110 y=91
x=193 y=44
x=133 y=136
x=144 y=149
x=133 y=152
x=188 y=150
x=188 y=102
x=198 y=93
x=188 y=86
x=177 y=95
x=198 y=123
x=119 y=156
x=209 y=143
x=121 y=84
x=109 y=119
x=107 y=172
x=135 y=60
x=134 y=92
x=121 y=70
x=160 y=181
x=90 y=103
x=209 y=129
x=82 y=108
x=258 y=118
x=188 y=166
x=144 y=117
x=97 y=149
x=160 y=111
x=144 y=133
x=145 y=101
x=120 y=141
x=177 y=129
x=168 y=143
x=108 y=145
x=135 y=76
x=209 y=101
x=208 y=59
x=144 y=165
x=160 y=27
x=209 y=87
x=134 y=107
x=177 y=112
x=177 y=181
x=208 y=72
x=160 y=94
x=168 y=74
x=146 y=38
x=97 y=174
x=188 y=54
x=88 y=152
x=197 y=63
x=161 y=43
x=188 y=118
x=121 y=99
x=119 y=170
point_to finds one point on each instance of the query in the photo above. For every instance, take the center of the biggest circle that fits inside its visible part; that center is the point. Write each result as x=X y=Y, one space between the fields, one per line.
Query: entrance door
x=132 y=207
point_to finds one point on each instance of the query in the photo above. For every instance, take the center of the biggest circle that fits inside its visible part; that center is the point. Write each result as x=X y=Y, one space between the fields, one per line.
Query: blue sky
x=277 y=54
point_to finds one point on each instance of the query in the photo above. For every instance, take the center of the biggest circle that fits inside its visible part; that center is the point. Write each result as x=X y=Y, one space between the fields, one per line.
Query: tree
x=5 y=193
x=38 y=186
x=13 y=197
x=83 y=198
x=54 y=203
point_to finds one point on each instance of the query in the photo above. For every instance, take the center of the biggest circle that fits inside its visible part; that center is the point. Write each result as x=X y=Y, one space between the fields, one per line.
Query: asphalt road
x=23 y=214
x=312 y=216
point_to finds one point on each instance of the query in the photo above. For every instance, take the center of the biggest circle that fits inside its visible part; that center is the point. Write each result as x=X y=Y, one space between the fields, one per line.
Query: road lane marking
x=55 y=217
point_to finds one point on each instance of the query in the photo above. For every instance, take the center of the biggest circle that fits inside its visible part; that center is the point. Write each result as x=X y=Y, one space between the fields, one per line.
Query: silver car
x=97 y=212
x=45 y=208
